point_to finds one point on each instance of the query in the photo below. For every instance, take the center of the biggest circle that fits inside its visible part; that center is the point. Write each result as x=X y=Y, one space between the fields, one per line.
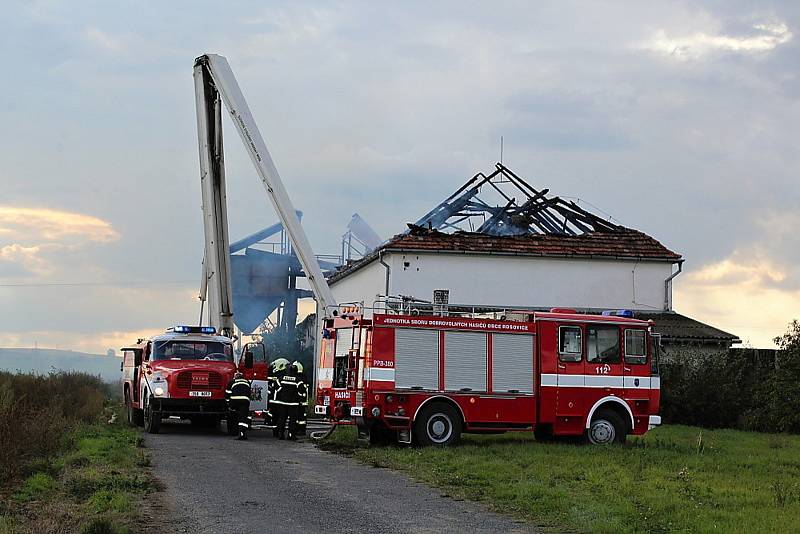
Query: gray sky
x=679 y=119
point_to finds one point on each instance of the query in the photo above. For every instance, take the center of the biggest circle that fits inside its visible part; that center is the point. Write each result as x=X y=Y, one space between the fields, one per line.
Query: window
x=192 y=350
x=603 y=344
x=656 y=351
x=570 y=348
x=635 y=347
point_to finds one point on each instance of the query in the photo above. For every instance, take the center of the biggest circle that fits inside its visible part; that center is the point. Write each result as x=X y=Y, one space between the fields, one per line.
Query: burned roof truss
x=504 y=204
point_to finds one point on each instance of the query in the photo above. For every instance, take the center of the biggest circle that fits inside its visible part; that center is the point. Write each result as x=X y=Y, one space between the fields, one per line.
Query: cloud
x=699 y=44
x=42 y=224
x=27 y=235
x=94 y=343
x=26 y=258
x=740 y=295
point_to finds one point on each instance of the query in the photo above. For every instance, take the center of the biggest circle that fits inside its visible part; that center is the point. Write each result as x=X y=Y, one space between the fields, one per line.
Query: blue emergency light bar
x=183 y=329
x=618 y=313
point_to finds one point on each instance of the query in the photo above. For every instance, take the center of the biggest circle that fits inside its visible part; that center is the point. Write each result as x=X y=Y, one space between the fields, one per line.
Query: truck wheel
x=438 y=424
x=134 y=414
x=128 y=408
x=543 y=432
x=607 y=427
x=379 y=435
x=152 y=418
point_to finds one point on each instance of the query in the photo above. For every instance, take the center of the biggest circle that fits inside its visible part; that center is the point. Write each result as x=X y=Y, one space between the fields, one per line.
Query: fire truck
x=428 y=378
x=183 y=374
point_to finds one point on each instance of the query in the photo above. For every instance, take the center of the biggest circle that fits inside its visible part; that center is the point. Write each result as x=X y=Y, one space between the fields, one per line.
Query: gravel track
x=215 y=484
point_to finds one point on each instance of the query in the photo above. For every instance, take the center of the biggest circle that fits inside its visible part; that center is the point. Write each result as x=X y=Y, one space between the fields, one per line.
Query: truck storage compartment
x=416 y=358
x=512 y=363
x=465 y=361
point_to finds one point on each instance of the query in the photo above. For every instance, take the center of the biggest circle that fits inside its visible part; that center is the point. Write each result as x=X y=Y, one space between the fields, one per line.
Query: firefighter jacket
x=289 y=391
x=238 y=390
x=302 y=391
x=273 y=384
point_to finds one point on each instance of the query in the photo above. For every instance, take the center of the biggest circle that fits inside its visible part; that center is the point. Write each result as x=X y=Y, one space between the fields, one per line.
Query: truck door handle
x=627 y=369
x=562 y=366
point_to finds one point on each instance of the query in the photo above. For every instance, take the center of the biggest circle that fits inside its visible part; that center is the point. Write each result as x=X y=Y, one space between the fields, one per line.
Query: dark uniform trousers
x=273 y=383
x=302 y=408
x=238 y=394
x=287 y=402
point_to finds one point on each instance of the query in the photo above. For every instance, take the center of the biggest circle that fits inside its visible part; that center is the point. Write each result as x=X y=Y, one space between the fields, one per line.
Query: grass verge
x=95 y=485
x=676 y=478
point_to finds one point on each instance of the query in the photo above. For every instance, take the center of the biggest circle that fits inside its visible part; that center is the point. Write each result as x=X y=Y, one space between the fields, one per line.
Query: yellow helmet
x=281 y=364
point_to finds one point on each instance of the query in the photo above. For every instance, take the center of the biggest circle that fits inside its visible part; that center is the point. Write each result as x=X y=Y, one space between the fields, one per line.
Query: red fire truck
x=183 y=373
x=428 y=378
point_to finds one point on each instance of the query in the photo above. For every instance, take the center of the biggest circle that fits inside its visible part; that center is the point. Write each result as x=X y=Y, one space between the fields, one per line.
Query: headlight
x=159 y=391
x=376 y=411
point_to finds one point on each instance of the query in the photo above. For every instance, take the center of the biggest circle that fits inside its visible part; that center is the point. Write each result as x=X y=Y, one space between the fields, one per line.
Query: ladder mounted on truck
x=216 y=85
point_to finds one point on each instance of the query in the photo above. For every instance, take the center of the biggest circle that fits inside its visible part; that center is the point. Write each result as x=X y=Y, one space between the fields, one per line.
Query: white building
x=557 y=255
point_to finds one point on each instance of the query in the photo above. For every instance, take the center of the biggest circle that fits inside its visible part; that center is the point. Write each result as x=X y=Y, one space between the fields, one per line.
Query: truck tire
x=543 y=432
x=379 y=435
x=152 y=418
x=606 y=428
x=134 y=415
x=438 y=425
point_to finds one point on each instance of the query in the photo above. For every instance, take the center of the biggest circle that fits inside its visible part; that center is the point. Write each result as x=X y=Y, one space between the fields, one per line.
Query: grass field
x=94 y=486
x=674 y=479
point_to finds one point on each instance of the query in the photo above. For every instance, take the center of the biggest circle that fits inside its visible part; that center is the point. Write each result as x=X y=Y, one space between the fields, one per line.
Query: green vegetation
x=95 y=485
x=676 y=478
x=63 y=466
x=738 y=390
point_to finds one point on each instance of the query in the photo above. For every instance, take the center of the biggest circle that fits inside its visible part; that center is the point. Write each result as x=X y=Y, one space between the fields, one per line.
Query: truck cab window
x=570 y=348
x=603 y=344
x=635 y=347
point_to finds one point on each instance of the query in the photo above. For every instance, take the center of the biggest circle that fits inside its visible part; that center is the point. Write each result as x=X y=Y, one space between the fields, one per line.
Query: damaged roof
x=501 y=214
x=625 y=244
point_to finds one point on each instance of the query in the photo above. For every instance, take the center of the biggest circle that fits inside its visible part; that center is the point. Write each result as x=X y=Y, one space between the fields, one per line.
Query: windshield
x=192 y=350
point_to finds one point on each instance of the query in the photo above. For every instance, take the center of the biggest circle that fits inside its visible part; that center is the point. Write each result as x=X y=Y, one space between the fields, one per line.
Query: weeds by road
x=63 y=466
x=95 y=486
x=676 y=478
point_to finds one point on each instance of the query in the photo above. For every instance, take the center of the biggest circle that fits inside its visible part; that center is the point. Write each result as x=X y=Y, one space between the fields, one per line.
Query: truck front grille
x=200 y=380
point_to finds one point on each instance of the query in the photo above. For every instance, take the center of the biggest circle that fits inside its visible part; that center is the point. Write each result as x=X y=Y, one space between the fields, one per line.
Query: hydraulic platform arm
x=213 y=78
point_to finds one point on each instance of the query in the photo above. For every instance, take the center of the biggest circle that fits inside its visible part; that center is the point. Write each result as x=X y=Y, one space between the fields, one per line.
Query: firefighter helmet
x=281 y=364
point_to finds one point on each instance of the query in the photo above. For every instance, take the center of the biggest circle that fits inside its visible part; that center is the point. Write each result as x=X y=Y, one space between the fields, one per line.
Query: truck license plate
x=199 y=393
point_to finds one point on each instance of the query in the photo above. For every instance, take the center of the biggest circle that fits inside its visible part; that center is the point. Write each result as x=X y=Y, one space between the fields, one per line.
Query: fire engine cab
x=183 y=373
x=407 y=374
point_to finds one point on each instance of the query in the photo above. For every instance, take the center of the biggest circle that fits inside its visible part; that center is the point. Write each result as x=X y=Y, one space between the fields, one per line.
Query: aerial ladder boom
x=215 y=84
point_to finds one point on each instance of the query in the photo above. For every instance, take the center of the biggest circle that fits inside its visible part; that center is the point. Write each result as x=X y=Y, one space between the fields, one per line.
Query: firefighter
x=277 y=370
x=238 y=396
x=288 y=401
x=302 y=393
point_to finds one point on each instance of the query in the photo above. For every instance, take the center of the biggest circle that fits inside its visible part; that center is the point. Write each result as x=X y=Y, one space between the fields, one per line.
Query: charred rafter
x=521 y=209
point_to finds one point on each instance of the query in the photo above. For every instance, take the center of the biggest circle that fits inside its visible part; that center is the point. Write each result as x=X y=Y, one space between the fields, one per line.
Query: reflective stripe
x=228 y=391
x=240 y=397
x=600 y=381
x=376 y=373
x=243 y=424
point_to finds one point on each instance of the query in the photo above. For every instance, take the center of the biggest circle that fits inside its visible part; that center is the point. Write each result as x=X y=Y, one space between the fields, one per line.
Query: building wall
x=513 y=281
x=363 y=285
x=526 y=281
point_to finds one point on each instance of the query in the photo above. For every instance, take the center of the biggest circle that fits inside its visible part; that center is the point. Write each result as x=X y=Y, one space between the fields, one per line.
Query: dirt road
x=216 y=484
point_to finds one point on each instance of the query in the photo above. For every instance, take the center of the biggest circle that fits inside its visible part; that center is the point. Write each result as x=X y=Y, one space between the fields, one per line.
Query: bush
x=738 y=390
x=37 y=411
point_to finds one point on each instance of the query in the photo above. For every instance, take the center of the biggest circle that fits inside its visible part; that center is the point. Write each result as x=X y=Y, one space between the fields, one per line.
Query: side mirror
x=248 y=360
x=137 y=358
